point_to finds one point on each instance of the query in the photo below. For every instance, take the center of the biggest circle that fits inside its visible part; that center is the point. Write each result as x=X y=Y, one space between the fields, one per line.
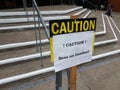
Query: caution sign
x=71 y=42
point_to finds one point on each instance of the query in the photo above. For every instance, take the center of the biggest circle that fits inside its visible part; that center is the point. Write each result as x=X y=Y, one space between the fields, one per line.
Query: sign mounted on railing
x=71 y=42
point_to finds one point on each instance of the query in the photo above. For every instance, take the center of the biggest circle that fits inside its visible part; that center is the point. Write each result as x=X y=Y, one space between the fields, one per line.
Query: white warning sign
x=71 y=48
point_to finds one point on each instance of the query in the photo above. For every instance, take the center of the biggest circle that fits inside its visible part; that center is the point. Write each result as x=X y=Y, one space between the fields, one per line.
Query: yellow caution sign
x=71 y=41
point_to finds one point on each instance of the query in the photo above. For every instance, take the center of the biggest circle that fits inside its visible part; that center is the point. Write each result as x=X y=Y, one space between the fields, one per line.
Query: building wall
x=14 y=3
x=115 y=4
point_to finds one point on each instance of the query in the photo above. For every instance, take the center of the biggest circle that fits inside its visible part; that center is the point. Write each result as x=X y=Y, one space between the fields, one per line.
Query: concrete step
x=101 y=39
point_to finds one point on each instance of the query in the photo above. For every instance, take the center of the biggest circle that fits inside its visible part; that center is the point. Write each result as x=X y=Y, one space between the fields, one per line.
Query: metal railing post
x=25 y=9
x=35 y=25
x=37 y=21
x=41 y=19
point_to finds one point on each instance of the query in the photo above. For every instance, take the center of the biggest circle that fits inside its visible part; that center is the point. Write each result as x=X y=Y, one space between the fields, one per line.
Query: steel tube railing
x=41 y=18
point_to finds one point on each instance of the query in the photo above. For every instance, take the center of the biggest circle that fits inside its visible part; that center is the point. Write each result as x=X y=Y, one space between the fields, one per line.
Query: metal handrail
x=91 y=4
x=37 y=21
x=25 y=9
x=41 y=19
x=38 y=31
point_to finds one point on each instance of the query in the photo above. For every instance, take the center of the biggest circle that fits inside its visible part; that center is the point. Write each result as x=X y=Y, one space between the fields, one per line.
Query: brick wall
x=115 y=4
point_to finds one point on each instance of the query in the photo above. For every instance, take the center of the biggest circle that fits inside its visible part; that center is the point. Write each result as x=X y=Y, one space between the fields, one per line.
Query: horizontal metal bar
x=42 y=12
x=105 y=42
x=111 y=27
x=115 y=24
x=98 y=63
x=20 y=27
x=46 y=70
x=21 y=44
x=104 y=26
x=31 y=19
x=30 y=74
x=78 y=13
x=24 y=58
x=87 y=14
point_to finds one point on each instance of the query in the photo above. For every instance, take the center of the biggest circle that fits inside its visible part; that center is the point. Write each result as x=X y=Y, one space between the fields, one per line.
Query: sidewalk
x=106 y=77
